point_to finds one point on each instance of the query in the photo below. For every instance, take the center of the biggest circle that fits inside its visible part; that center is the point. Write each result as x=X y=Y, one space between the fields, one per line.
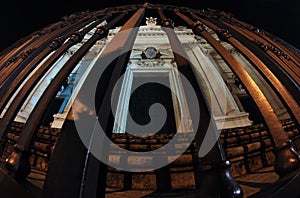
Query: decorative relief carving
x=223 y=34
x=235 y=86
x=27 y=53
x=198 y=27
x=272 y=48
x=151 y=21
x=151 y=63
x=263 y=46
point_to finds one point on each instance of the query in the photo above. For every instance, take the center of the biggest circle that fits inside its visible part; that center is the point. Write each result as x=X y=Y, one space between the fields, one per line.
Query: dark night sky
x=20 y=18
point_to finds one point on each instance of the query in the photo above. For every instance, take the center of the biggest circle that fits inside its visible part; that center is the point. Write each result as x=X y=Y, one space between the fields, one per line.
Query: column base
x=240 y=119
x=216 y=181
x=287 y=159
x=59 y=120
x=18 y=164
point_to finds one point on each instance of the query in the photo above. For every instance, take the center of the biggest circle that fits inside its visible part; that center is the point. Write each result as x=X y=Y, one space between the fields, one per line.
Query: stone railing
x=42 y=146
x=247 y=148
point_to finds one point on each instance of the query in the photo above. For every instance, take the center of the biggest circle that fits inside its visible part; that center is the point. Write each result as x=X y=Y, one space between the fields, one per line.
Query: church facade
x=148 y=105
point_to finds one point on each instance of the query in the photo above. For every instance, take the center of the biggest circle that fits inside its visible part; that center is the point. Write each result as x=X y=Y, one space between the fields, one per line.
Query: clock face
x=150 y=52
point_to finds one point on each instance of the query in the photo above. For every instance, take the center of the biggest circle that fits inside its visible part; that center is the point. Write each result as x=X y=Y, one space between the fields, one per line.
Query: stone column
x=213 y=176
x=287 y=159
x=222 y=103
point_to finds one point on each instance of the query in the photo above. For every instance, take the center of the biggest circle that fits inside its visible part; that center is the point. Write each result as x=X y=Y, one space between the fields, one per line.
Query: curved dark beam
x=274 y=66
x=23 y=43
x=17 y=103
x=129 y=7
x=25 y=53
x=286 y=98
x=214 y=178
x=92 y=180
x=71 y=63
x=292 y=86
x=286 y=157
x=8 y=58
x=37 y=51
x=292 y=55
x=95 y=169
x=290 y=67
x=6 y=94
x=26 y=136
x=32 y=124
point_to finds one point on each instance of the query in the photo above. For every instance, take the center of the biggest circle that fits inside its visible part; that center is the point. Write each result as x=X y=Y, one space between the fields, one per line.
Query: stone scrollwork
x=223 y=34
x=150 y=63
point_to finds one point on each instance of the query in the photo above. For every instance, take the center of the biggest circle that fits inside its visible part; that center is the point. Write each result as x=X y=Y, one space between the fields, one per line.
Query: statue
x=151 y=21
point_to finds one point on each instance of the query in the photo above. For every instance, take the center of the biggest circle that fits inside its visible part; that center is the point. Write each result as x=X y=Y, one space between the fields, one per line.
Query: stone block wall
x=248 y=148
